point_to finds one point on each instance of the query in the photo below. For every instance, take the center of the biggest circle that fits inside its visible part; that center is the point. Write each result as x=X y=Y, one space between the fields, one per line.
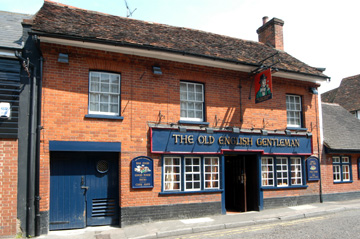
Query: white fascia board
x=7 y=53
x=177 y=57
x=300 y=77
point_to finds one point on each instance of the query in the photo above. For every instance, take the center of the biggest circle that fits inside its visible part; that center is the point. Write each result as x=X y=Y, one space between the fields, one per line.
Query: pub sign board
x=172 y=141
x=142 y=171
x=313 y=169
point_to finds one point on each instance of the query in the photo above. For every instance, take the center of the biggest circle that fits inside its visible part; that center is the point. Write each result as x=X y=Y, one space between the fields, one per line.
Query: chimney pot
x=265 y=19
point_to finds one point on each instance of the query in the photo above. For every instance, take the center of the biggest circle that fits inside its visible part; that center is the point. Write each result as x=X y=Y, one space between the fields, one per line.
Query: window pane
x=172 y=177
x=296 y=174
x=191 y=101
x=267 y=174
x=294 y=110
x=107 y=88
x=211 y=170
x=192 y=174
x=282 y=172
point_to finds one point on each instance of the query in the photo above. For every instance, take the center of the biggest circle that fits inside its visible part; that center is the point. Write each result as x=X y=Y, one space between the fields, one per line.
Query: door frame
x=256 y=167
x=87 y=147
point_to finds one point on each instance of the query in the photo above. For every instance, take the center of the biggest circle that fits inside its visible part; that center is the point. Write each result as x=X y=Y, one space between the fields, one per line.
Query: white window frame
x=192 y=174
x=170 y=174
x=211 y=173
x=282 y=171
x=342 y=169
x=296 y=171
x=267 y=171
x=104 y=93
x=189 y=99
x=294 y=110
x=206 y=173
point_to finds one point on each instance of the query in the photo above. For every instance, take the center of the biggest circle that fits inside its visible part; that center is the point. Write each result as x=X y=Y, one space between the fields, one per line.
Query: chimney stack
x=271 y=32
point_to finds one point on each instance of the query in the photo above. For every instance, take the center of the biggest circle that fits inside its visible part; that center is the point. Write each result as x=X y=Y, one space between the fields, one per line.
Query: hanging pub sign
x=142 y=171
x=313 y=169
x=263 y=86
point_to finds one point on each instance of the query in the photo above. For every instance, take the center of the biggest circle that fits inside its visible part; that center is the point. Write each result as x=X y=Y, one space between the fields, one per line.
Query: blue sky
x=321 y=33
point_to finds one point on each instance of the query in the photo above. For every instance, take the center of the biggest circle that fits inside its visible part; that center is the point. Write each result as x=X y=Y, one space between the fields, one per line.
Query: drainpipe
x=30 y=204
x=37 y=159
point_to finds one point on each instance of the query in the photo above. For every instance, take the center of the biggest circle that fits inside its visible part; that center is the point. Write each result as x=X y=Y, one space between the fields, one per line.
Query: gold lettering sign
x=239 y=141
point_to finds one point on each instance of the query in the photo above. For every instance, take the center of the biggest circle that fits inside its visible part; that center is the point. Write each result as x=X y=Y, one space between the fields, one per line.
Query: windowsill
x=191 y=192
x=296 y=128
x=343 y=182
x=193 y=122
x=281 y=188
x=91 y=116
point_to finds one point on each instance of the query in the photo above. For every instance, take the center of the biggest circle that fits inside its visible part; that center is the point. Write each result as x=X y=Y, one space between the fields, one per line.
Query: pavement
x=171 y=228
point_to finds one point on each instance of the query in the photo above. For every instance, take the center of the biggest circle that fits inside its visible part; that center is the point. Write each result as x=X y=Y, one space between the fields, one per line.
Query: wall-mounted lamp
x=209 y=130
x=63 y=58
x=156 y=70
x=264 y=132
x=308 y=134
x=182 y=129
x=287 y=132
x=313 y=90
x=236 y=130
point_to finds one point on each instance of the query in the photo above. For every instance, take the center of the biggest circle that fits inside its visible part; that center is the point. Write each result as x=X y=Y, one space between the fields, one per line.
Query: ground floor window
x=341 y=169
x=282 y=171
x=191 y=173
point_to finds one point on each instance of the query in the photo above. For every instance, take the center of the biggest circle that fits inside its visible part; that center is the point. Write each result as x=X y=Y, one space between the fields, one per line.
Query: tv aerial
x=129 y=12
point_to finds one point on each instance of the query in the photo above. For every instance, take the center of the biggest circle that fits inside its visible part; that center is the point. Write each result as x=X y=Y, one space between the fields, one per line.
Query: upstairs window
x=191 y=101
x=104 y=93
x=293 y=111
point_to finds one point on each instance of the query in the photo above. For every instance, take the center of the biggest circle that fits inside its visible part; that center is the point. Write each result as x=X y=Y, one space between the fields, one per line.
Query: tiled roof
x=63 y=21
x=11 y=30
x=347 y=94
x=340 y=128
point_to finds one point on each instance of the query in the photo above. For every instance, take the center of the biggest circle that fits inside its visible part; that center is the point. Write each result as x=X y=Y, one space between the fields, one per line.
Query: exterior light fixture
x=156 y=70
x=313 y=90
x=209 y=130
x=5 y=110
x=287 y=132
x=264 y=132
x=235 y=130
x=308 y=134
x=182 y=129
x=63 y=58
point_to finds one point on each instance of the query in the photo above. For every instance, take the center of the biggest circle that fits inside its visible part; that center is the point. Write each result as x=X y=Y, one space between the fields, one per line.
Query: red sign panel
x=263 y=86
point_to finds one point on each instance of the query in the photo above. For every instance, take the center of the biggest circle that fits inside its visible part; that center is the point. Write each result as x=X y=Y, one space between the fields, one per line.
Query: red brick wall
x=8 y=186
x=328 y=185
x=65 y=103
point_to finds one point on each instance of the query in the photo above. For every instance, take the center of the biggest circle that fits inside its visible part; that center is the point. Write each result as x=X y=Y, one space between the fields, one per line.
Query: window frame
x=187 y=100
x=107 y=113
x=339 y=164
x=288 y=111
x=183 y=173
x=284 y=170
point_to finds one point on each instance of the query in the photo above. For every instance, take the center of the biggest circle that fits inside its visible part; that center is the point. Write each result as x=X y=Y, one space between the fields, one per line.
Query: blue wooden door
x=102 y=194
x=83 y=190
x=67 y=198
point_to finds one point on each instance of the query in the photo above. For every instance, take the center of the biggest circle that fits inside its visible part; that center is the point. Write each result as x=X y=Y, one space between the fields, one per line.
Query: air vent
x=103 y=207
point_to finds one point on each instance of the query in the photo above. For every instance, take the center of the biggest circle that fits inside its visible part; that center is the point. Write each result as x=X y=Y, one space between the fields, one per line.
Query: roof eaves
x=162 y=49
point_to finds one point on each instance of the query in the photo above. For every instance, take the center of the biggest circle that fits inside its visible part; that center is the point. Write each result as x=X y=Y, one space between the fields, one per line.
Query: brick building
x=143 y=121
x=340 y=163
